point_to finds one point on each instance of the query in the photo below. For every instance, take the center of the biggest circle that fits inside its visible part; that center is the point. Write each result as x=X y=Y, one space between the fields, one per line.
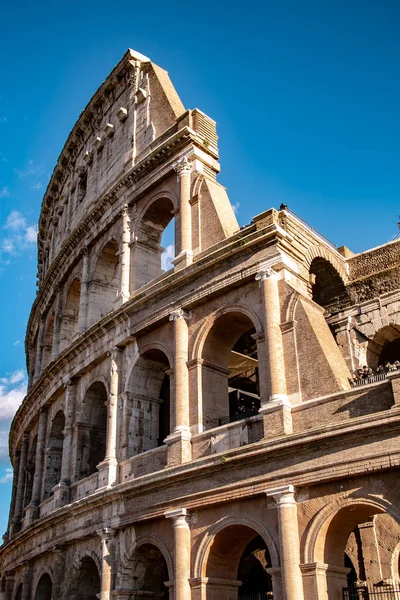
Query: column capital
x=178 y=515
x=266 y=273
x=107 y=533
x=284 y=495
x=182 y=167
x=178 y=314
x=70 y=381
x=115 y=352
x=85 y=250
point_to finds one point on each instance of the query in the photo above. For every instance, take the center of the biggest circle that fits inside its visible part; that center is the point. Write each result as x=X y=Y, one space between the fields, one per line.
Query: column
x=108 y=468
x=10 y=580
x=180 y=439
x=32 y=511
x=125 y=256
x=70 y=401
x=19 y=500
x=84 y=298
x=58 y=571
x=27 y=582
x=39 y=348
x=181 y=552
x=292 y=582
x=107 y=535
x=57 y=323
x=16 y=464
x=184 y=250
x=268 y=279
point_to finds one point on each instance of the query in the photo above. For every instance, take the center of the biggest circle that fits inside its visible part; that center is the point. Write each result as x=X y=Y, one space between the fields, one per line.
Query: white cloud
x=167 y=257
x=37 y=185
x=236 y=207
x=7 y=477
x=5 y=191
x=12 y=392
x=8 y=246
x=17 y=343
x=4 y=443
x=31 y=169
x=15 y=221
x=31 y=234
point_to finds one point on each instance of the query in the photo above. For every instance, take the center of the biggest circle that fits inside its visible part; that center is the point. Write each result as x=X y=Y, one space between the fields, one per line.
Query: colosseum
x=206 y=432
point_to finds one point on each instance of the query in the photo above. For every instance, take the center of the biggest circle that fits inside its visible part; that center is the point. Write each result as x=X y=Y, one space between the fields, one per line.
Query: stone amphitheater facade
x=195 y=433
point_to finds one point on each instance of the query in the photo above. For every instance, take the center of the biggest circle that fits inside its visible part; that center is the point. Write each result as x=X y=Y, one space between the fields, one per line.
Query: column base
x=108 y=473
x=179 y=447
x=214 y=587
x=31 y=514
x=277 y=417
x=61 y=493
x=184 y=259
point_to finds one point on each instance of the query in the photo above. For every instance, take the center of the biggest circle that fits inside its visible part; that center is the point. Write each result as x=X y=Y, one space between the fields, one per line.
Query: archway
x=385 y=346
x=69 y=319
x=328 y=289
x=54 y=452
x=48 y=341
x=230 y=383
x=148 y=249
x=44 y=588
x=92 y=430
x=85 y=583
x=18 y=595
x=30 y=471
x=147 y=403
x=357 y=543
x=236 y=565
x=104 y=285
x=146 y=573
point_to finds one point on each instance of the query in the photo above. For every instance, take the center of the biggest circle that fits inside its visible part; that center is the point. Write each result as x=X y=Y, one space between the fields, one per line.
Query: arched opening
x=148 y=403
x=54 y=452
x=146 y=574
x=148 y=261
x=85 y=584
x=230 y=371
x=104 y=285
x=48 y=341
x=384 y=347
x=237 y=564
x=30 y=471
x=44 y=588
x=92 y=430
x=328 y=289
x=69 y=319
x=357 y=544
x=18 y=595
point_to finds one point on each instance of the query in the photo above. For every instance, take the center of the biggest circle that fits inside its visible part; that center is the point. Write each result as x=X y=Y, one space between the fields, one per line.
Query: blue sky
x=305 y=95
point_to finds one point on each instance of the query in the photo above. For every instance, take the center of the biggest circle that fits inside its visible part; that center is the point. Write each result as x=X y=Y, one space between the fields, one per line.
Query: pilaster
x=184 y=251
x=181 y=552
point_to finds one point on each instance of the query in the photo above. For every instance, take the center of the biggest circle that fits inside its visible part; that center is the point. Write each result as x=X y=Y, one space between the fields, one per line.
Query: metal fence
x=257 y=596
x=376 y=593
x=373 y=379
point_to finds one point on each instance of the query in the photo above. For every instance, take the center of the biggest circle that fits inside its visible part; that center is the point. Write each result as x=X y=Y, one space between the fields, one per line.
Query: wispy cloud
x=3 y=119
x=236 y=207
x=30 y=170
x=12 y=392
x=19 y=234
x=7 y=477
x=4 y=191
x=167 y=257
x=4 y=432
x=17 y=343
x=37 y=185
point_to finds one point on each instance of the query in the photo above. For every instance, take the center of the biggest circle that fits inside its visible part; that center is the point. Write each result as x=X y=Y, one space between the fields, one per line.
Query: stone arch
x=320 y=251
x=18 y=593
x=70 y=313
x=82 y=554
x=30 y=470
x=146 y=568
x=92 y=430
x=54 y=451
x=147 y=406
x=151 y=222
x=384 y=346
x=104 y=281
x=224 y=551
x=44 y=588
x=84 y=577
x=327 y=286
x=48 y=339
x=238 y=519
x=395 y=566
x=226 y=353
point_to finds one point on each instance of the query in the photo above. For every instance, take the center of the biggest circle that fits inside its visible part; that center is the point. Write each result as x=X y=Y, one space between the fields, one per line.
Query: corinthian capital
x=179 y=313
x=266 y=273
x=182 y=167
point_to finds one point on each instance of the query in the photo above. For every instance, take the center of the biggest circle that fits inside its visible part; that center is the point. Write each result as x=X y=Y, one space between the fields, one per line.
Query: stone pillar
x=108 y=468
x=19 y=499
x=106 y=586
x=32 y=511
x=179 y=440
x=342 y=329
x=292 y=582
x=84 y=297
x=184 y=253
x=57 y=323
x=181 y=552
x=10 y=581
x=268 y=279
x=70 y=401
x=58 y=572
x=124 y=292
x=39 y=349
x=13 y=496
x=27 y=591
x=370 y=552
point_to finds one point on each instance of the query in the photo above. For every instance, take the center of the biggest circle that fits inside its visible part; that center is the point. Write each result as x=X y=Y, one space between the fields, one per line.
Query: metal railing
x=367 y=380
x=386 y=592
x=314 y=231
x=257 y=596
x=244 y=413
